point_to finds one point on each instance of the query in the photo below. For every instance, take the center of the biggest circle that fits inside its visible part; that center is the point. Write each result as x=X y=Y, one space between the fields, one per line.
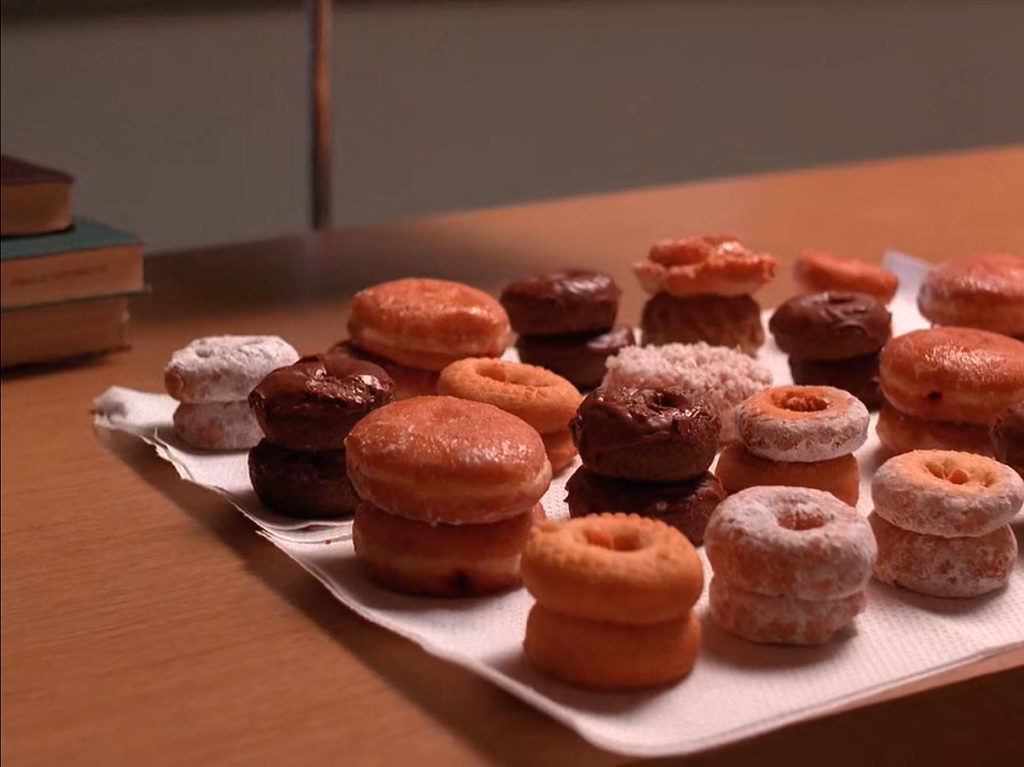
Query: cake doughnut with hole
x=216 y=425
x=739 y=469
x=224 y=368
x=819 y=270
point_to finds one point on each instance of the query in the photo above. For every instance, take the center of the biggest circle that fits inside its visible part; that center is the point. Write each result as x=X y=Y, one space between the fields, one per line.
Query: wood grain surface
x=143 y=621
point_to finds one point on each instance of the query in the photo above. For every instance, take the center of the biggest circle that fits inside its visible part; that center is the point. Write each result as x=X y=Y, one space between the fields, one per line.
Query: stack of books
x=65 y=281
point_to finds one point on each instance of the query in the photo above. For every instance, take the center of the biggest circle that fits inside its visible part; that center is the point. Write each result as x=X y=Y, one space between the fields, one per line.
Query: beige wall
x=190 y=128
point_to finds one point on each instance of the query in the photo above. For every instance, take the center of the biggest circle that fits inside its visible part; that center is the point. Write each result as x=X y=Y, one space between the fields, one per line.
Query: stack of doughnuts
x=646 y=451
x=985 y=291
x=802 y=436
x=614 y=596
x=790 y=564
x=415 y=327
x=701 y=290
x=566 y=323
x=817 y=271
x=944 y=388
x=540 y=397
x=211 y=378
x=448 y=491
x=306 y=410
x=834 y=339
x=941 y=520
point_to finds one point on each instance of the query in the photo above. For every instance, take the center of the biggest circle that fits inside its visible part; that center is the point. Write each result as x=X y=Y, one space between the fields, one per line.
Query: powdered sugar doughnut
x=942 y=492
x=224 y=368
x=780 y=619
x=791 y=541
x=217 y=425
x=943 y=567
x=802 y=423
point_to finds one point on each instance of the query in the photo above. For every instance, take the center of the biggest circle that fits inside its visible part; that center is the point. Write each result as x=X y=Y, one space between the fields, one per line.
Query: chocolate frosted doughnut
x=573 y=301
x=1008 y=437
x=857 y=375
x=580 y=358
x=686 y=506
x=733 y=321
x=409 y=381
x=831 y=326
x=651 y=435
x=302 y=483
x=313 y=404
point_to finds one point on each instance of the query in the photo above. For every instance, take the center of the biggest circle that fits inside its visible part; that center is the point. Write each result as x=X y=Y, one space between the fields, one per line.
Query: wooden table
x=145 y=623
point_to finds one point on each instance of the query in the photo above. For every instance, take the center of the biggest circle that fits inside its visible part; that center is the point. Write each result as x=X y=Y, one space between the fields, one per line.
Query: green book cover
x=84 y=234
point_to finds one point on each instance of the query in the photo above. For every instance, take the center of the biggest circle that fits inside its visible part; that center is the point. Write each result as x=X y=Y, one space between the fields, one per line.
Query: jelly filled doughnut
x=1008 y=437
x=901 y=433
x=941 y=492
x=216 y=425
x=831 y=326
x=733 y=321
x=409 y=382
x=308 y=484
x=444 y=459
x=612 y=567
x=790 y=541
x=579 y=358
x=985 y=290
x=426 y=323
x=857 y=375
x=818 y=270
x=718 y=264
x=739 y=469
x=572 y=301
x=224 y=368
x=560 y=448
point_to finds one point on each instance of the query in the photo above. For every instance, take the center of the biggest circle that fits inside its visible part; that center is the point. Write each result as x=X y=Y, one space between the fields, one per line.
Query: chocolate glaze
x=831 y=326
x=580 y=358
x=302 y=483
x=313 y=404
x=1008 y=437
x=573 y=301
x=857 y=375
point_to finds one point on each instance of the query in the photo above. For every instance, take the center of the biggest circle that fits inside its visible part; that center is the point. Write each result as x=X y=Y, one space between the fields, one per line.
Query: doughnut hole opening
x=952 y=474
x=496 y=371
x=615 y=540
x=801 y=519
x=801 y=402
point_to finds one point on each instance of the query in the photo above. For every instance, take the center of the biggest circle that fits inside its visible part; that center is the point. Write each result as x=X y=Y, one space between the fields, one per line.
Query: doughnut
x=543 y=399
x=739 y=469
x=308 y=484
x=802 y=423
x=580 y=359
x=654 y=435
x=941 y=492
x=572 y=301
x=953 y=374
x=443 y=459
x=1008 y=437
x=780 y=619
x=733 y=321
x=831 y=326
x=426 y=323
x=686 y=506
x=790 y=541
x=612 y=567
x=440 y=560
x=718 y=264
x=560 y=448
x=216 y=425
x=857 y=375
x=723 y=377
x=900 y=433
x=314 y=403
x=985 y=290
x=409 y=382
x=817 y=270
x=611 y=656
x=943 y=567
x=224 y=368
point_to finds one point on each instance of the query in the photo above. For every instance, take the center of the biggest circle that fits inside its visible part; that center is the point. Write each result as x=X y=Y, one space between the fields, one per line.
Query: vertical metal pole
x=320 y=114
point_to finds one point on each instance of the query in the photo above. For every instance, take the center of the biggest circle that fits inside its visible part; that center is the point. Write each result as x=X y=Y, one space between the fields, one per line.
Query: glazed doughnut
x=802 y=423
x=817 y=270
x=943 y=567
x=409 y=382
x=224 y=368
x=611 y=656
x=543 y=399
x=216 y=425
x=953 y=374
x=901 y=433
x=580 y=359
x=662 y=435
x=560 y=448
x=857 y=375
x=1008 y=437
x=308 y=484
x=780 y=619
x=573 y=301
x=443 y=459
x=790 y=541
x=733 y=321
x=718 y=264
x=739 y=469
x=425 y=323
x=686 y=506
x=831 y=326
x=440 y=560
x=941 y=492
x=985 y=290
x=612 y=567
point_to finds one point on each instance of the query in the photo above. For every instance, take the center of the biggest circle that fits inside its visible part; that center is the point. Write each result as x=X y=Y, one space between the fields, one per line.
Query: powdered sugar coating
x=224 y=368
x=217 y=425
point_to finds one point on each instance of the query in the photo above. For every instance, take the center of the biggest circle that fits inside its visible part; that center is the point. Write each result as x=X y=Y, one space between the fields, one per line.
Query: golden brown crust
x=984 y=290
x=409 y=381
x=718 y=264
x=560 y=448
x=817 y=271
x=901 y=433
x=739 y=469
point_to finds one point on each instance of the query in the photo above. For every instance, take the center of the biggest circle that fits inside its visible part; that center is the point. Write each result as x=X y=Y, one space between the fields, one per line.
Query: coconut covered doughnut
x=802 y=423
x=224 y=368
x=941 y=492
x=818 y=270
x=943 y=567
x=718 y=264
x=217 y=425
x=985 y=290
x=790 y=541
x=739 y=469
x=901 y=433
x=444 y=459
x=543 y=399
x=780 y=619
x=611 y=656
x=612 y=567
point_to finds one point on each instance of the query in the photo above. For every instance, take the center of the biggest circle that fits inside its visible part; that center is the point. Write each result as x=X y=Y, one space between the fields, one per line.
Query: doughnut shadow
x=952 y=606
x=724 y=647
